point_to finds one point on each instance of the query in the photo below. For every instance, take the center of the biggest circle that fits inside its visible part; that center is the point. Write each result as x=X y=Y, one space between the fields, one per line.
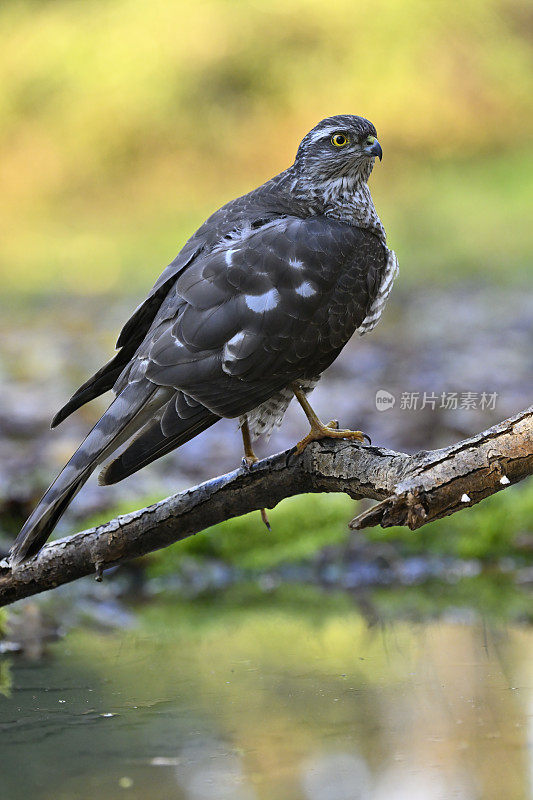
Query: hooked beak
x=375 y=150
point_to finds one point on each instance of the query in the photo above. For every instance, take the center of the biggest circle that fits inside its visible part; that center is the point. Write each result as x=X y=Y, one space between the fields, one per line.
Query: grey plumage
x=267 y=292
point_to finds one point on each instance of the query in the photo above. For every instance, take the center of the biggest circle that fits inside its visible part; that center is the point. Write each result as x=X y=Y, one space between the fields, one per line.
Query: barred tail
x=154 y=441
x=126 y=414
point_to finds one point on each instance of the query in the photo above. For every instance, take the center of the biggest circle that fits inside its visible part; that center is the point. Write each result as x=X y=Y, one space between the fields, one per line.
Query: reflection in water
x=421 y=784
x=273 y=701
x=208 y=770
x=343 y=776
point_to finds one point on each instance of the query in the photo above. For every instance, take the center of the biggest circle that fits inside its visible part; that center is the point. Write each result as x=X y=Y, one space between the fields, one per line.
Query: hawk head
x=338 y=147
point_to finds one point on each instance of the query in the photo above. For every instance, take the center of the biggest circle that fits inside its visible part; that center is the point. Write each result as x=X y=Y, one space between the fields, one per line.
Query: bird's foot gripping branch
x=262 y=298
x=411 y=490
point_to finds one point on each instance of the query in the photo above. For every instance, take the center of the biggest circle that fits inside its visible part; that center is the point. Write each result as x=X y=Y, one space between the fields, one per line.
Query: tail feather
x=154 y=442
x=42 y=522
x=126 y=414
x=101 y=382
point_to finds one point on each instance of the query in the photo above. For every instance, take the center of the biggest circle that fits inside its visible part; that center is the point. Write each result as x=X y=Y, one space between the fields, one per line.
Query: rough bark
x=412 y=490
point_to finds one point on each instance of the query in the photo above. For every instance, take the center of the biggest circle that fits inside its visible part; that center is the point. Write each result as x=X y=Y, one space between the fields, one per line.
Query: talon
x=264 y=517
x=249 y=461
x=325 y=432
x=302 y=444
x=318 y=429
x=249 y=458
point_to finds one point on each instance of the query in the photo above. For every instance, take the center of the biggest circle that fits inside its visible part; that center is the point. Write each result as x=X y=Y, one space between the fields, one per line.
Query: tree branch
x=413 y=491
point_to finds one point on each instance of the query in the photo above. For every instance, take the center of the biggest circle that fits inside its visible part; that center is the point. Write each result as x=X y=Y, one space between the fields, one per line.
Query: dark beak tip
x=377 y=151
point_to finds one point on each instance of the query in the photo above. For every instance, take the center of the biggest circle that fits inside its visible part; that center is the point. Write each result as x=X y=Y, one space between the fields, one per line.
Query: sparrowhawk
x=257 y=304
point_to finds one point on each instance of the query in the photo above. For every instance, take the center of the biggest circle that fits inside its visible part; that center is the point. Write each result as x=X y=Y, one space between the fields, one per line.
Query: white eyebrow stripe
x=305 y=289
x=262 y=302
x=321 y=134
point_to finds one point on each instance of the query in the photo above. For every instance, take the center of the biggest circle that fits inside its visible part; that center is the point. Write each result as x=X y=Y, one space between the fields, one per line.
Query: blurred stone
x=463 y=339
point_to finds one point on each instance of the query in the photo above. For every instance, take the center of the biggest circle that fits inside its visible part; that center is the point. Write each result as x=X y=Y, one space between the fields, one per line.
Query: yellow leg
x=318 y=429
x=250 y=459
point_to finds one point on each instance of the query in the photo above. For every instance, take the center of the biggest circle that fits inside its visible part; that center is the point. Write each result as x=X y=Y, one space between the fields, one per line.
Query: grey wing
x=252 y=317
x=245 y=321
x=131 y=336
x=244 y=213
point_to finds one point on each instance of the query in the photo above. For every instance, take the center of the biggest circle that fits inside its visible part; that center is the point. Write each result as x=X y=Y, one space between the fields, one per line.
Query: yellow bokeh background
x=124 y=122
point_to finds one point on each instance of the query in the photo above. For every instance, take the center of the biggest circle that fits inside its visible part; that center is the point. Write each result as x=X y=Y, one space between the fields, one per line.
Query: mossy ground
x=499 y=527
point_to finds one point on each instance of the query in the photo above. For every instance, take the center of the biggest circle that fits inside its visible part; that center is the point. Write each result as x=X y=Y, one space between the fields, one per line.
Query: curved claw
x=249 y=461
x=318 y=429
x=266 y=521
x=326 y=432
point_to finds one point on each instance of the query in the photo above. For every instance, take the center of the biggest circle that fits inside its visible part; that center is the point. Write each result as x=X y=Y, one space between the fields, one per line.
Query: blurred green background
x=124 y=122
x=290 y=664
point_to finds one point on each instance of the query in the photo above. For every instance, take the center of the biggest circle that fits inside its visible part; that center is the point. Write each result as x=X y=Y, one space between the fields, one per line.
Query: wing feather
x=241 y=333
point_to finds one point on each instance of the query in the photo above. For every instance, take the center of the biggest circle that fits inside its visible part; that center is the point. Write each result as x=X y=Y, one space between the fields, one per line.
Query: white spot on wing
x=295 y=263
x=235 y=340
x=262 y=302
x=305 y=290
x=240 y=235
x=229 y=255
x=231 y=347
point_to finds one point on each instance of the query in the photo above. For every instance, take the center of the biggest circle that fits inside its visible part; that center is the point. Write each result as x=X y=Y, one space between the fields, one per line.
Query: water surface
x=282 y=699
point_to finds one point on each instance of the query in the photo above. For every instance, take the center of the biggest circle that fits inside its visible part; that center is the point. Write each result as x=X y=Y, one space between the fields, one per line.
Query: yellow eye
x=339 y=140
x=370 y=140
